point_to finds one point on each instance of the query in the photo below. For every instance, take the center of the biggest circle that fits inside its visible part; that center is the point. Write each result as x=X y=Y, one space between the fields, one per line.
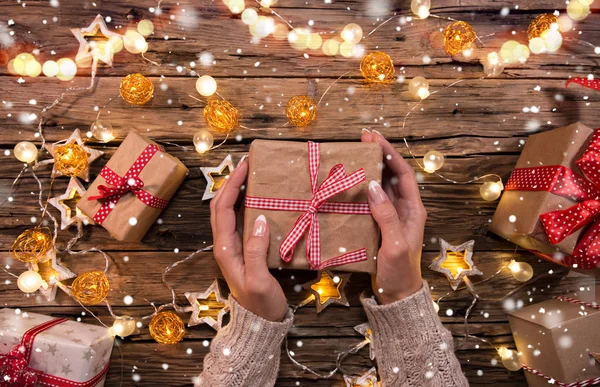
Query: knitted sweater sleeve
x=245 y=352
x=411 y=345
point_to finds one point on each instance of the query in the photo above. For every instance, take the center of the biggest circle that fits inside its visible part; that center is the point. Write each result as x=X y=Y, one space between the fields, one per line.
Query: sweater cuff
x=413 y=314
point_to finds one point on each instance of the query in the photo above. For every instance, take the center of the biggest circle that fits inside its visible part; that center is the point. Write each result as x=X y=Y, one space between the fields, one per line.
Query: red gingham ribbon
x=15 y=370
x=337 y=181
x=562 y=181
x=130 y=182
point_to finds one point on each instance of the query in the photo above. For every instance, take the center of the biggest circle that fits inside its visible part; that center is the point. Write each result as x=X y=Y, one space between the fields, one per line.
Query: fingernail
x=260 y=226
x=374 y=131
x=244 y=157
x=376 y=193
x=365 y=130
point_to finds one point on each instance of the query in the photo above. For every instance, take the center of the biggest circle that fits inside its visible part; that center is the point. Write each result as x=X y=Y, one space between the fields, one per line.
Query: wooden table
x=479 y=125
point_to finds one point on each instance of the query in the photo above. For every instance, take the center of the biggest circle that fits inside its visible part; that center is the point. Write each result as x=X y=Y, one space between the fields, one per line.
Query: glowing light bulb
x=66 y=69
x=50 y=68
x=537 y=45
x=145 y=27
x=352 y=33
x=102 y=131
x=347 y=49
x=510 y=359
x=521 y=53
x=578 y=10
x=206 y=85
x=29 y=281
x=492 y=64
x=521 y=271
x=418 y=87
x=123 y=326
x=236 y=6
x=432 y=161
x=134 y=42
x=20 y=63
x=314 y=41
x=203 y=141
x=507 y=51
x=33 y=68
x=25 y=152
x=249 y=16
x=421 y=8
x=331 y=47
x=491 y=190
x=264 y=26
x=553 y=40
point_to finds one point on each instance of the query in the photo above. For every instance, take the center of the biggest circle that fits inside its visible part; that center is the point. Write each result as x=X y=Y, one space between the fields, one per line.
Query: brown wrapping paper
x=161 y=176
x=563 y=146
x=556 y=338
x=279 y=169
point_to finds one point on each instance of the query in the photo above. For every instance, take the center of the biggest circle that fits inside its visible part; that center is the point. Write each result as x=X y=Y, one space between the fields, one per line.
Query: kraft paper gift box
x=156 y=176
x=556 y=340
x=517 y=217
x=280 y=170
x=39 y=350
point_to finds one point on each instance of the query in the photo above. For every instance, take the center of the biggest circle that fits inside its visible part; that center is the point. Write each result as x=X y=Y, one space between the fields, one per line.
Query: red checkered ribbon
x=15 y=370
x=585 y=189
x=336 y=182
x=130 y=182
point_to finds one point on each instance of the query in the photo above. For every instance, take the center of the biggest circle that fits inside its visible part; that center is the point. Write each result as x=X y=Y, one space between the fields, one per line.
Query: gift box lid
x=553 y=313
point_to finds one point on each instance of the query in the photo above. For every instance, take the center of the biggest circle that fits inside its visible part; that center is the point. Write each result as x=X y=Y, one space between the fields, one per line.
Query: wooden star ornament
x=365 y=330
x=53 y=273
x=73 y=193
x=368 y=379
x=328 y=289
x=216 y=176
x=455 y=262
x=208 y=307
x=96 y=43
x=596 y=356
x=93 y=154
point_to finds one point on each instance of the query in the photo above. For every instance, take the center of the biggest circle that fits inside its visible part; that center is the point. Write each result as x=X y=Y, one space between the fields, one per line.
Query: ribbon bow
x=336 y=182
x=130 y=182
x=14 y=369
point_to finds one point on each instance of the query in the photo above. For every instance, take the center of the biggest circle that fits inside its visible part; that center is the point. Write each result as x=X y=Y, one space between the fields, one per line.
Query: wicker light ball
x=301 y=110
x=167 y=328
x=70 y=159
x=221 y=116
x=136 y=89
x=541 y=24
x=458 y=37
x=90 y=288
x=32 y=245
x=377 y=67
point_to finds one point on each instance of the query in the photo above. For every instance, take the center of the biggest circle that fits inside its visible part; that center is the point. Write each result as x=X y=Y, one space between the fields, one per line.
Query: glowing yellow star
x=328 y=289
x=73 y=192
x=100 y=45
x=215 y=176
x=208 y=307
x=455 y=262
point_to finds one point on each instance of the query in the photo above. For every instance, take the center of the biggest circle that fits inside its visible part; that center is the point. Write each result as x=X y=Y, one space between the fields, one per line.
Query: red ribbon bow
x=337 y=181
x=562 y=181
x=14 y=369
x=130 y=182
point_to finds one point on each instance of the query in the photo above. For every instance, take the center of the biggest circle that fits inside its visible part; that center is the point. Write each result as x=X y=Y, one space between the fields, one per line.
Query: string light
x=32 y=245
x=102 y=131
x=301 y=110
x=29 y=281
x=553 y=40
x=20 y=62
x=123 y=326
x=458 y=37
x=236 y=6
x=578 y=9
x=432 y=161
x=418 y=87
x=203 y=141
x=145 y=27
x=331 y=47
x=50 y=68
x=377 y=67
x=249 y=16
x=221 y=116
x=70 y=159
x=25 y=152
x=421 y=8
x=541 y=24
x=136 y=89
x=492 y=64
x=134 y=42
x=491 y=190
x=510 y=359
x=33 y=69
x=67 y=69
x=206 y=85
x=513 y=52
x=521 y=271
x=90 y=288
x=167 y=328
x=352 y=33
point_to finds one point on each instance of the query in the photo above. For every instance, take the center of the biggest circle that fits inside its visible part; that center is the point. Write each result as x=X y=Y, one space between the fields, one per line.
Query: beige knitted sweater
x=412 y=347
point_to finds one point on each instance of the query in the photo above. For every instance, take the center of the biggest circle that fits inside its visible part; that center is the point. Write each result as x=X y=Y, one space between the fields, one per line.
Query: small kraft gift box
x=552 y=200
x=39 y=350
x=559 y=342
x=133 y=188
x=314 y=197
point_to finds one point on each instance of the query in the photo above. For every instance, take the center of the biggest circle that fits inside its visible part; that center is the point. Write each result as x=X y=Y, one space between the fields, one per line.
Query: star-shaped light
x=101 y=46
x=365 y=330
x=75 y=136
x=328 y=289
x=215 y=176
x=368 y=379
x=455 y=262
x=208 y=307
x=53 y=272
x=73 y=192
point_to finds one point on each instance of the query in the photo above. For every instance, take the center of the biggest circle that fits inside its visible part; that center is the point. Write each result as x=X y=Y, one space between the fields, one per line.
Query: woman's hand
x=398 y=210
x=246 y=272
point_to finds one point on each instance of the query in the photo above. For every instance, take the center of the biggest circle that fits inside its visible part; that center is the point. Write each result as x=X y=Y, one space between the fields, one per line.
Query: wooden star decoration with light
x=328 y=289
x=93 y=154
x=99 y=45
x=216 y=176
x=368 y=379
x=365 y=330
x=455 y=262
x=53 y=272
x=73 y=193
x=208 y=307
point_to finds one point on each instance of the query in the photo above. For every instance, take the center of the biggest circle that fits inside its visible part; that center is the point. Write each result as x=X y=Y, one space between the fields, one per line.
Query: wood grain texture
x=479 y=124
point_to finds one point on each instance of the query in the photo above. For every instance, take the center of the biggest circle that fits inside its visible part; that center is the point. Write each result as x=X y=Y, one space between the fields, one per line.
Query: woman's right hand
x=400 y=214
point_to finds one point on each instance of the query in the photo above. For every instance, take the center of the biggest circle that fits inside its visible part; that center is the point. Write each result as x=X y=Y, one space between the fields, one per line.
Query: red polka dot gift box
x=133 y=188
x=551 y=202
